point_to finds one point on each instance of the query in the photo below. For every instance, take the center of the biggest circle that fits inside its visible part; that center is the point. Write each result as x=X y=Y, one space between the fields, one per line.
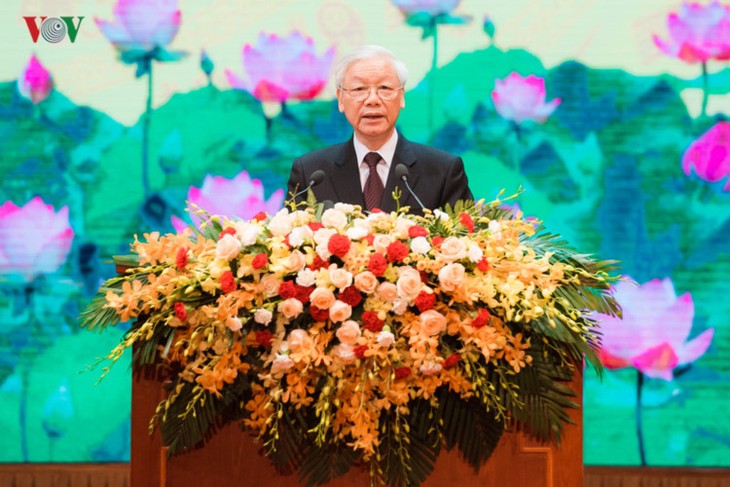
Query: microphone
x=316 y=178
x=401 y=172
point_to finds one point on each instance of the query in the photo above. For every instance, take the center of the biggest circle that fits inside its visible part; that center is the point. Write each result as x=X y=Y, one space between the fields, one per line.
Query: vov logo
x=53 y=29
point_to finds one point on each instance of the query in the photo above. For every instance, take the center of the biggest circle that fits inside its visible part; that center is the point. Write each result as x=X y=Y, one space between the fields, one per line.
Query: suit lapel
x=345 y=177
x=403 y=155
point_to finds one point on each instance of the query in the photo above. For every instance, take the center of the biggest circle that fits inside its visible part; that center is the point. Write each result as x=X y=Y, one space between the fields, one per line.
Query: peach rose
x=290 y=308
x=366 y=282
x=385 y=339
x=281 y=363
x=409 y=283
x=387 y=291
x=432 y=322
x=228 y=247
x=430 y=368
x=340 y=311
x=295 y=262
x=381 y=242
x=322 y=298
x=345 y=352
x=348 y=332
x=280 y=224
x=452 y=249
x=270 y=284
x=262 y=316
x=340 y=278
x=402 y=225
x=300 y=342
x=451 y=276
x=234 y=323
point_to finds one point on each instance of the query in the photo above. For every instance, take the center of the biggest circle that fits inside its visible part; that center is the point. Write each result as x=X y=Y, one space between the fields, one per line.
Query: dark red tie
x=373 y=191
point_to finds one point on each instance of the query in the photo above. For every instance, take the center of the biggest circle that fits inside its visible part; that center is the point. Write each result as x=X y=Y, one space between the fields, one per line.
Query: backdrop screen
x=612 y=116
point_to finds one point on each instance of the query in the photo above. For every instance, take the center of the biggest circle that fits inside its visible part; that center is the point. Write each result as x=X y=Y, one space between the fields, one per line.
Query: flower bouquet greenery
x=345 y=338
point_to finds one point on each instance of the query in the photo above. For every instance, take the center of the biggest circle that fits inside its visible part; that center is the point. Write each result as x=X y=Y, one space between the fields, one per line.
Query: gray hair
x=370 y=52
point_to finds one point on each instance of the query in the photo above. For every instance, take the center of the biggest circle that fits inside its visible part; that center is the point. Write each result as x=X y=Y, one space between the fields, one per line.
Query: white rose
x=345 y=352
x=334 y=218
x=299 y=236
x=430 y=368
x=402 y=225
x=234 y=323
x=322 y=236
x=345 y=208
x=306 y=277
x=474 y=253
x=300 y=218
x=323 y=251
x=228 y=247
x=262 y=316
x=441 y=215
x=248 y=233
x=420 y=245
x=385 y=339
x=280 y=224
x=495 y=228
x=357 y=233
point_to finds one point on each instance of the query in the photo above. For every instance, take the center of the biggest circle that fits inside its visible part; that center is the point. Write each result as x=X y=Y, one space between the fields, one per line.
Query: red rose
x=263 y=338
x=350 y=296
x=483 y=265
x=481 y=319
x=425 y=301
x=339 y=245
x=260 y=216
x=260 y=261
x=318 y=263
x=302 y=292
x=377 y=264
x=417 y=231
x=467 y=221
x=228 y=282
x=424 y=276
x=402 y=372
x=319 y=314
x=397 y=251
x=371 y=322
x=360 y=351
x=437 y=241
x=451 y=360
x=314 y=226
x=181 y=259
x=227 y=231
x=287 y=290
x=180 y=311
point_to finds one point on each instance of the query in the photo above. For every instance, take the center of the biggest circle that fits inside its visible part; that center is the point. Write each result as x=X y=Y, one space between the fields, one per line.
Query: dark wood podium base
x=231 y=458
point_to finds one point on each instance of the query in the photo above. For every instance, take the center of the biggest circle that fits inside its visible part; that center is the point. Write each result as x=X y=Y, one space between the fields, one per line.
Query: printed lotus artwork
x=697 y=33
x=142 y=25
x=241 y=196
x=347 y=336
x=34 y=238
x=709 y=155
x=430 y=7
x=281 y=68
x=519 y=98
x=652 y=337
x=35 y=82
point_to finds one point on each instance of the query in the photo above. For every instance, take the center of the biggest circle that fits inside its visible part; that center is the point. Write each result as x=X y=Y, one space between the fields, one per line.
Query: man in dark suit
x=362 y=171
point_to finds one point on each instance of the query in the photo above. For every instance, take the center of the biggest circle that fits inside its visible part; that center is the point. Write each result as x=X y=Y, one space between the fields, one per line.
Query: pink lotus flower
x=431 y=7
x=241 y=197
x=35 y=83
x=653 y=333
x=34 y=239
x=142 y=24
x=709 y=155
x=278 y=69
x=517 y=98
x=698 y=33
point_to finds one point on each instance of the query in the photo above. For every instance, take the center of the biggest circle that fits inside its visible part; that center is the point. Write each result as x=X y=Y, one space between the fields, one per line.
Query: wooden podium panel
x=231 y=457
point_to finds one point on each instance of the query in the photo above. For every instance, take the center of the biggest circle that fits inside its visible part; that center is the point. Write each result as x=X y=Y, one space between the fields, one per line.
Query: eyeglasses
x=361 y=93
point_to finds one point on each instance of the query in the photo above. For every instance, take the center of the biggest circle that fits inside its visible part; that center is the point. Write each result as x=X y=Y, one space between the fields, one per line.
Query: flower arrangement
x=345 y=338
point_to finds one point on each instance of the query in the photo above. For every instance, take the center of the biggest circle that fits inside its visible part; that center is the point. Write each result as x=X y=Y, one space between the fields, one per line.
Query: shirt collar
x=387 y=151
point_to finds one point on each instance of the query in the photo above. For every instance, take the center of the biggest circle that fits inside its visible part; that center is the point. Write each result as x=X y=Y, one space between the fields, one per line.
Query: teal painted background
x=604 y=170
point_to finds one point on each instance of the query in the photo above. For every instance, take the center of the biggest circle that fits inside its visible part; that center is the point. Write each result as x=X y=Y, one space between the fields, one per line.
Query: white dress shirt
x=386 y=152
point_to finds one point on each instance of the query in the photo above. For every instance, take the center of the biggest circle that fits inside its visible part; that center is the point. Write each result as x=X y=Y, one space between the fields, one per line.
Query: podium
x=231 y=457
